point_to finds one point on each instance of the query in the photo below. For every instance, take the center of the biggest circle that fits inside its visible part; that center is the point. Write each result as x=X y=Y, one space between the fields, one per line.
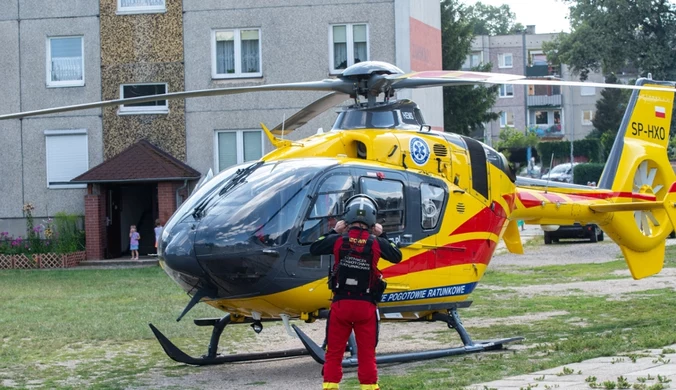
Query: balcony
x=547 y=131
x=544 y=101
x=543 y=71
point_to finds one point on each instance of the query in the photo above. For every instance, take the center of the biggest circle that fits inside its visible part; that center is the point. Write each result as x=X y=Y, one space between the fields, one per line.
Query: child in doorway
x=158 y=232
x=134 y=238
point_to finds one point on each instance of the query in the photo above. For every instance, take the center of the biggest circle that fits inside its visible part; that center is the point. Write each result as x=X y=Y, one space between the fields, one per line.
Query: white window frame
x=127 y=110
x=238 y=54
x=144 y=9
x=504 y=89
x=57 y=133
x=503 y=119
x=502 y=62
x=67 y=83
x=240 y=145
x=349 y=31
x=591 y=117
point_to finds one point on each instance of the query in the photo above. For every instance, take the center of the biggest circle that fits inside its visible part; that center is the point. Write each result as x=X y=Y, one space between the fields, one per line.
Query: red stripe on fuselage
x=459 y=253
x=484 y=221
x=529 y=200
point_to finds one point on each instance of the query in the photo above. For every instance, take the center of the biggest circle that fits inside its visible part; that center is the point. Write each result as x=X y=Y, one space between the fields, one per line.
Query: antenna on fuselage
x=283 y=121
x=549 y=174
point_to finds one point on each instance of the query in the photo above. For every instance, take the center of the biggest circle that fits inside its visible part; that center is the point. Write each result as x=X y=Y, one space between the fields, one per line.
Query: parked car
x=589 y=231
x=561 y=172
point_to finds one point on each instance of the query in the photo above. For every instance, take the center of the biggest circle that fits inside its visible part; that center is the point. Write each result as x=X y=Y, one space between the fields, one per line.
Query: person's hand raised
x=340 y=227
x=377 y=229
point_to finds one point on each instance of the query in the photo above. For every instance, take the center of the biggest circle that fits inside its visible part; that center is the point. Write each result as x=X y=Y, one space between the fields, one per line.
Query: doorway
x=131 y=204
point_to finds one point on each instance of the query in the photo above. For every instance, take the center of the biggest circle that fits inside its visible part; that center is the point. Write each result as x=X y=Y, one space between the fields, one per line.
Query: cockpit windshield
x=261 y=205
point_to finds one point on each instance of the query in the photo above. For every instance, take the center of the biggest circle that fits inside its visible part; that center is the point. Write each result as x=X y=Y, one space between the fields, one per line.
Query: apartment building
x=551 y=112
x=136 y=163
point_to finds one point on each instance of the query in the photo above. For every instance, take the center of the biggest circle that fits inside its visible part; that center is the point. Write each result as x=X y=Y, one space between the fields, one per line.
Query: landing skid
x=212 y=357
x=451 y=319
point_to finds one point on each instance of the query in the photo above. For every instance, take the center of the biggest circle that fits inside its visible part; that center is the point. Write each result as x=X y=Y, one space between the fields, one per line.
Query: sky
x=547 y=15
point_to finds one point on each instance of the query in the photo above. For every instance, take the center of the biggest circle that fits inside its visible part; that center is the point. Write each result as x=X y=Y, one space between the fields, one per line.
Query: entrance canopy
x=141 y=162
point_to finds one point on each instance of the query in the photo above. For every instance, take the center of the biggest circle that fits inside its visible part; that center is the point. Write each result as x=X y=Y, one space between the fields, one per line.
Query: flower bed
x=42 y=260
x=58 y=243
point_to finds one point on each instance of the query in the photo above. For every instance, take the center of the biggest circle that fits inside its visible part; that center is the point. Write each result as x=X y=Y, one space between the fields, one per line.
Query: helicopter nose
x=178 y=255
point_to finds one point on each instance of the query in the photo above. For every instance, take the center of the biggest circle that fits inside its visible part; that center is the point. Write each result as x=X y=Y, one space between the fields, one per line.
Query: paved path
x=650 y=366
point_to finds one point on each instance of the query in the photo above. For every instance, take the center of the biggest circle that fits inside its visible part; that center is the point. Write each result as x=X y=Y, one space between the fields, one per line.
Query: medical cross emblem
x=420 y=152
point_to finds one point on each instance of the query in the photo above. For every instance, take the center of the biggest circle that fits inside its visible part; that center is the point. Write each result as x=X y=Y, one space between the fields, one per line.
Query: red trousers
x=347 y=315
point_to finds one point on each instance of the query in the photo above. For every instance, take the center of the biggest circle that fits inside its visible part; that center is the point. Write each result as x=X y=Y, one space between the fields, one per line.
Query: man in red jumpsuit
x=357 y=243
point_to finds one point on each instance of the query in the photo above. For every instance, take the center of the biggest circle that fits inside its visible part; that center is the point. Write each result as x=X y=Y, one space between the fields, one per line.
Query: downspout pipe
x=179 y=189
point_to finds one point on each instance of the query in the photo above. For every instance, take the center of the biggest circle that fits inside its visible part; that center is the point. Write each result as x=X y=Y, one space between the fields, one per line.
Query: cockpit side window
x=389 y=194
x=327 y=207
x=432 y=198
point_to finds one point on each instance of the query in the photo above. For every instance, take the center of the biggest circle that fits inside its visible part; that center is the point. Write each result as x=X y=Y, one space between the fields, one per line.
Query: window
x=587 y=91
x=506 y=119
x=140 y=6
x=236 y=147
x=65 y=62
x=236 y=53
x=138 y=90
x=537 y=57
x=432 y=201
x=473 y=60
x=505 y=60
x=349 y=45
x=67 y=157
x=541 y=118
x=506 y=90
x=327 y=208
x=587 y=117
x=389 y=194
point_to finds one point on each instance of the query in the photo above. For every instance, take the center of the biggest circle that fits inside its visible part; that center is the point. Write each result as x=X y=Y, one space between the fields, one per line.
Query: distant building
x=136 y=163
x=552 y=112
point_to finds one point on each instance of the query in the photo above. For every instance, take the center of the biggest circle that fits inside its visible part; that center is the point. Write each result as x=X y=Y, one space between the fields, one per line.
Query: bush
x=68 y=236
x=590 y=148
x=584 y=173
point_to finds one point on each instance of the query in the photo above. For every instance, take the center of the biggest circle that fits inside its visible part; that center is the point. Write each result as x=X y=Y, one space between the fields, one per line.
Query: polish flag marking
x=660 y=112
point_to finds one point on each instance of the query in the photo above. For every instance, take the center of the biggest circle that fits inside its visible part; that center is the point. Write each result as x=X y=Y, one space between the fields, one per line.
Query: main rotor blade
x=308 y=112
x=440 y=78
x=336 y=85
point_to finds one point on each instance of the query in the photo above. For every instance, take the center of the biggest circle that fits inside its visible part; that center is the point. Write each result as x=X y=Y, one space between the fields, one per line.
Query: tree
x=492 y=20
x=466 y=108
x=610 y=35
x=610 y=107
x=511 y=138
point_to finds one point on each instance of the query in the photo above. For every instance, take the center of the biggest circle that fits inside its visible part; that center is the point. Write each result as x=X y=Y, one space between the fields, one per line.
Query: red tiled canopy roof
x=141 y=161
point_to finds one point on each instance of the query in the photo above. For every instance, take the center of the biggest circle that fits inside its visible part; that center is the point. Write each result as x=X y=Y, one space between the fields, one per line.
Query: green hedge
x=584 y=173
x=590 y=148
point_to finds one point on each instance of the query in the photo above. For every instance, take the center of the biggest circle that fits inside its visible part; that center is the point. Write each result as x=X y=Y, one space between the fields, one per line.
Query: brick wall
x=95 y=226
x=166 y=200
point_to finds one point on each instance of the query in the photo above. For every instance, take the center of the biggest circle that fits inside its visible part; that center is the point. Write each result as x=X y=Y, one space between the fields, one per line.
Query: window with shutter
x=67 y=157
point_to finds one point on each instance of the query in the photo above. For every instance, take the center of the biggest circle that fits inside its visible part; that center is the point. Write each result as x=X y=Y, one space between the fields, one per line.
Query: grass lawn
x=88 y=328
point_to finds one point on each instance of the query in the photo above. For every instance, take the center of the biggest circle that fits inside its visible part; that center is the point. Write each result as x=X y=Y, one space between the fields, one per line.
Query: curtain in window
x=339 y=47
x=225 y=52
x=250 y=60
x=359 y=35
x=253 y=148
x=227 y=149
x=66 y=59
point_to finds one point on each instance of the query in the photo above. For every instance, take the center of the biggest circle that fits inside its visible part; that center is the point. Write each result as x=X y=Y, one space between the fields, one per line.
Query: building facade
x=74 y=52
x=551 y=112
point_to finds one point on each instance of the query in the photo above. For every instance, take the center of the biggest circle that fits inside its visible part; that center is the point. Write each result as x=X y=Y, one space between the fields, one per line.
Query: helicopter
x=240 y=243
